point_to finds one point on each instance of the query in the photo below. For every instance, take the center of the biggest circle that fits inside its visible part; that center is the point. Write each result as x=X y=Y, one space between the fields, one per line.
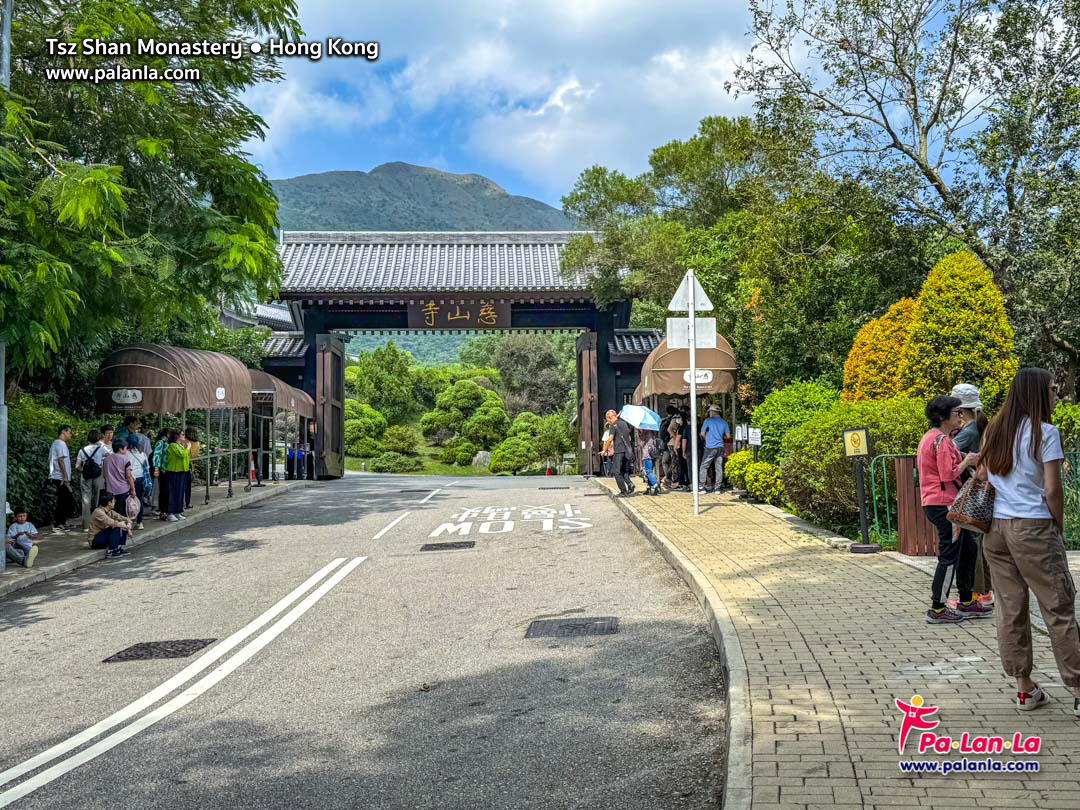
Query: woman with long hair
x=1025 y=546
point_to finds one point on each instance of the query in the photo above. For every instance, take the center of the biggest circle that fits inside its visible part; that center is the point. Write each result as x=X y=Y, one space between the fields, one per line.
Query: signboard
x=755 y=437
x=703 y=377
x=856 y=443
x=680 y=302
x=219 y=392
x=436 y=314
x=127 y=396
x=740 y=433
x=678 y=333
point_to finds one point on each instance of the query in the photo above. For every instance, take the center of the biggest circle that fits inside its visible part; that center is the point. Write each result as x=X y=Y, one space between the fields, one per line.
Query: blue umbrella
x=640 y=417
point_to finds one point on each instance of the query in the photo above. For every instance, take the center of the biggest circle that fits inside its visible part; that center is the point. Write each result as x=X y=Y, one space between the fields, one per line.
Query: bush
x=763 y=482
x=785 y=409
x=959 y=334
x=28 y=467
x=872 y=368
x=459 y=451
x=396 y=463
x=513 y=455
x=817 y=477
x=364 y=448
x=361 y=420
x=735 y=468
x=525 y=424
x=401 y=439
x=488 y=425
x=1067 y=419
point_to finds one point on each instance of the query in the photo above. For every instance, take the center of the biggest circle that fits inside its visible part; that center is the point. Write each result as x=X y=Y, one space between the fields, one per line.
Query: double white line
x=186 y=674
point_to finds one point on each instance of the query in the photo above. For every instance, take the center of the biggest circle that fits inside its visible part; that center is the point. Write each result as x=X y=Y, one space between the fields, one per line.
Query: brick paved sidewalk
x=830 y=639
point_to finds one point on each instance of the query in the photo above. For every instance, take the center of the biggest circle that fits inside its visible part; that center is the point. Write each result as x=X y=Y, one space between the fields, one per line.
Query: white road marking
x=452 y=483
x=391 y=525
x=187 y=696
x=431 y=495
x=179 y=679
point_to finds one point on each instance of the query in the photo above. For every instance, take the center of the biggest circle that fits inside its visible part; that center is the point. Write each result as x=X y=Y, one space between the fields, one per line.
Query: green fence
x=883 y=500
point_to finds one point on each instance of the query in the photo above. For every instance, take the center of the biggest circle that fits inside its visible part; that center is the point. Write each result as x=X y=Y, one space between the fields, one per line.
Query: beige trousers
x=1030 y=553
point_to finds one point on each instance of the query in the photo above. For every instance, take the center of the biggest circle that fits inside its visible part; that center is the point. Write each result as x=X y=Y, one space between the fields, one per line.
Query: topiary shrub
x=735 y=467
x=763 y=482
x=959 y=334
x=364 y=448
x=396 y=463
x=787 y=408
x=872 y=368
x=525 y=424
x=513 y=455
x=401 y=439
x=818 y=479
x=459 y=451
x=361 y=420
x=488 y=425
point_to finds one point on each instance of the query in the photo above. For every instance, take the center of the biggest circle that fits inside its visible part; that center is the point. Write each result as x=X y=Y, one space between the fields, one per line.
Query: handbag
x=973 y=506
x=132 y=506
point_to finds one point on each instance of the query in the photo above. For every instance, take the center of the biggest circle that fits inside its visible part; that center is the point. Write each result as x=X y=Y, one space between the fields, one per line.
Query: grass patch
x=432 y=465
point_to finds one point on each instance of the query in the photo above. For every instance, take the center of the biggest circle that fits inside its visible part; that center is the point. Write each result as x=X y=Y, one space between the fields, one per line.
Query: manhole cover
x=594 y=626
x=180 y=648
x=447 y=546
x=553 y=487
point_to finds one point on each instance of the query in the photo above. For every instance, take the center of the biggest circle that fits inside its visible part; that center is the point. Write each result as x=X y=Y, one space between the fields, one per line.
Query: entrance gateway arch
x=337 y=282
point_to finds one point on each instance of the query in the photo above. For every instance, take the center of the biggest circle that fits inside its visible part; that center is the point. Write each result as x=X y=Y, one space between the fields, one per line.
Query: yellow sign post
x=857 y=448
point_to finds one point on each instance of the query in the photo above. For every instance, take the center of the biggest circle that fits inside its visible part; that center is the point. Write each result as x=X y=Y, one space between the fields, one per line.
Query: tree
x=525 y=424
x=785 y=409
x=953 y=110
x=552 y=437
x=529 y=369
x=513 y=455
x=401 y=439
x=136 y=192
x=872 y=368
x=478 y=351
x=382 y=378
x=488 y=424
x=959 y=334
x=468 y=410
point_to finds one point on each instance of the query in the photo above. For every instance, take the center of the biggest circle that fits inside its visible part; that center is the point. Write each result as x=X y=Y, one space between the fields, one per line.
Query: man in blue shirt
x=713 y=431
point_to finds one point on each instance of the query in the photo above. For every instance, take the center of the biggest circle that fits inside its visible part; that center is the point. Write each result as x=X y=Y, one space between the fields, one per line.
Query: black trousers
x=956 y=558
x=63 y=502
x=619 y=464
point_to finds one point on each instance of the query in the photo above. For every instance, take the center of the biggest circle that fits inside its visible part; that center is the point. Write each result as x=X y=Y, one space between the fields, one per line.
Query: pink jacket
x=939 y=469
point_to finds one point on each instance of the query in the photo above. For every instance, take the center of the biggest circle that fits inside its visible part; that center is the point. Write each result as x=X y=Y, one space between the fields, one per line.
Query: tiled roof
x=276 y=316
x=389 y=262
x=634 y=341
x=285 y=345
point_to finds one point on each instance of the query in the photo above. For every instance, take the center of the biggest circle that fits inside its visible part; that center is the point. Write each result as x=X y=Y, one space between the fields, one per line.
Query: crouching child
x=19 y=544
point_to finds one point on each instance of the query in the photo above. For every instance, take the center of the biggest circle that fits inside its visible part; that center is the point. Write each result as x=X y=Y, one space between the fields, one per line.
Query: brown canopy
x=149 y=378
x=667 y=371
x=285 y=396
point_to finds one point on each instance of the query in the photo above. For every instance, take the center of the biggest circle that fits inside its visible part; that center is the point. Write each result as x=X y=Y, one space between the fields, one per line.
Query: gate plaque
x=481 y=314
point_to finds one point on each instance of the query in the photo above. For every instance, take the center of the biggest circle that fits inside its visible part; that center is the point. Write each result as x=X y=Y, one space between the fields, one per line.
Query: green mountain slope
x=402 y=197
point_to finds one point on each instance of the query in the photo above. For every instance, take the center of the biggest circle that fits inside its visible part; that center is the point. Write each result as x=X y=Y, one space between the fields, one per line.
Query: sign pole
x=860 y=493
x=5 y=83
x=692 y=315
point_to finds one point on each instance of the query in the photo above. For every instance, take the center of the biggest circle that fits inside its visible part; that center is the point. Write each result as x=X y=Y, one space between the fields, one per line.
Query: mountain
x=402 y=197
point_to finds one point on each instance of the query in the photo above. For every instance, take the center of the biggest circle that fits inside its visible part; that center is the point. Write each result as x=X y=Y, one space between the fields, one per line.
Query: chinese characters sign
x=434 y=314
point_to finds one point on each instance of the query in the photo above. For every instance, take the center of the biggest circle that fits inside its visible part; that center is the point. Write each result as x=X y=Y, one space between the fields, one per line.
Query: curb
x=739 y=771
x=47 y=572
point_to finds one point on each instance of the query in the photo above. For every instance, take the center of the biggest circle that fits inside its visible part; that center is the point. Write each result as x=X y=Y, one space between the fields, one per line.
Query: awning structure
x=150 y=378
x=667 y=371
x=285 y=396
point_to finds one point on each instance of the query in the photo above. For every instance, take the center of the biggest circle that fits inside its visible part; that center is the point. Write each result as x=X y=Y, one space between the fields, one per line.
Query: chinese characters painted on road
x=501 y=519
x=436 y=314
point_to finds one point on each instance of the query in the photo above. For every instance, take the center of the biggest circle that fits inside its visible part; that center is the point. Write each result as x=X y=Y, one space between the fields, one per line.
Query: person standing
x=177 y=464
x=161 y=446
x=687 y=456
x=106 y=438
x=119 y=480
x=88 y=463
x=193 y=446
x=622 y=449
x=969 y=440
x=664 y=438
x=59 y=482
x=128 y=426
x=713 y=432
x=940 y=465
x=139 y=468
x=651 y=452
x=1022 y=456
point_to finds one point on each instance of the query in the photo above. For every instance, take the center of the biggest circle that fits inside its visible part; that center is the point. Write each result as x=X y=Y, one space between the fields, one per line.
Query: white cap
x=968 y=396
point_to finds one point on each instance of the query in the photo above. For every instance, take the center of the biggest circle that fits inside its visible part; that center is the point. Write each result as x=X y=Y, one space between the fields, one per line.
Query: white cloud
x=549 y=87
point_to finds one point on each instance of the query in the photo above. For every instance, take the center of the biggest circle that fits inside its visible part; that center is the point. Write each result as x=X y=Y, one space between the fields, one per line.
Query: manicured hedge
x=735 y=468
x=396 y=463
x=785 y=409
x=763 y=482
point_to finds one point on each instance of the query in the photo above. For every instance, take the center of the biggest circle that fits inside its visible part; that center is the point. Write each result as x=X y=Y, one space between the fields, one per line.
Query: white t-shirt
x=138 y=463
x=92 y=451
x=59 y=450
x=1021 y=493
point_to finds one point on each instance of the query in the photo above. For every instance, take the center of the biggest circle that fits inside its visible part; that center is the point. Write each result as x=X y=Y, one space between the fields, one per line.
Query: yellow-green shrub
x=763 y=482
x=872 y=368
x=959 y=334
x=735 y=468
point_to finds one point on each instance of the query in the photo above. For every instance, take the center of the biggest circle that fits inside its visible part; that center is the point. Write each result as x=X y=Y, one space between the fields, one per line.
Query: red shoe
x=1030 y=701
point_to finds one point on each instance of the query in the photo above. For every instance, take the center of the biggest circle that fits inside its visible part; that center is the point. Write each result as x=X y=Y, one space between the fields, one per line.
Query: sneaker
x=945 y=615
x=121 y=551
x=987 y=598
x=975 y=610
x=182 y=516
x=172 y=519
x=1030 y=701
x=139 y=526
x=1076 y=706
x=30 y=557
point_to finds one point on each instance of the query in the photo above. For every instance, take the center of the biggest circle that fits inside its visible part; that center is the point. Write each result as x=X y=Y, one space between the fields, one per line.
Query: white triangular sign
x=680 y=302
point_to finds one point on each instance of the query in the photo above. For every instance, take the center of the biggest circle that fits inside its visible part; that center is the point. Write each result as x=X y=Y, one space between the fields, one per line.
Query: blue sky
x=526 y=93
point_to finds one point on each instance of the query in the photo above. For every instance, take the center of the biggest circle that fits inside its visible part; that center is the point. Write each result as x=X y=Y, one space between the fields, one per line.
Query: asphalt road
x=400 y=681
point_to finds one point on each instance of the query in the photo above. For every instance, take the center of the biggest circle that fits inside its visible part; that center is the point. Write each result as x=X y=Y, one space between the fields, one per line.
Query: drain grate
x=553 y=487
x=560 y=628
x=179 y=648
x=595 y=495
x=447 y=546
